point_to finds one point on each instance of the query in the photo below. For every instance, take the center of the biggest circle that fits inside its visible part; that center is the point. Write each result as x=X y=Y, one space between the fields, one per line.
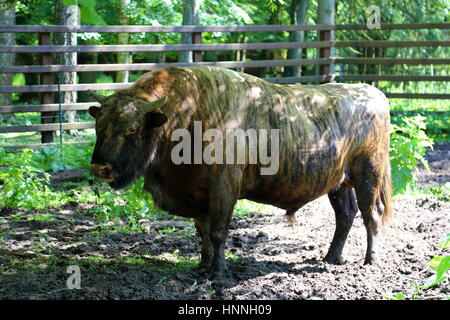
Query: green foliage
x=26 y=179
x=441 y=192
x=408 y=145
x=244 y=207
x=131 y=204
x=437 y=114
x=440 y=265
x=24 y=185
x=87 y=11
x=56 y=159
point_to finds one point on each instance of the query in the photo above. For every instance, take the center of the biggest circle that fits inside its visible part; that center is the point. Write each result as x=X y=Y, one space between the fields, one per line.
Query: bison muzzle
x=334 y=139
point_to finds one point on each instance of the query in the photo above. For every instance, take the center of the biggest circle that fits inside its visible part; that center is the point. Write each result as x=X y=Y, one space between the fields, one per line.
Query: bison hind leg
x=368 y=173
x=343 y=201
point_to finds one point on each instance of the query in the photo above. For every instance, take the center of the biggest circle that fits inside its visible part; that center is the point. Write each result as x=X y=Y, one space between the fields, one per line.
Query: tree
x=7 y=17
x=70 y=16
x=191 y=9
x=275 y=8
x=297 y=13
x=123 y=38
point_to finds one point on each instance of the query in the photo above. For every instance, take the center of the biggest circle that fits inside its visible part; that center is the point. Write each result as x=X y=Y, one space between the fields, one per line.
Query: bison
x=333 y=138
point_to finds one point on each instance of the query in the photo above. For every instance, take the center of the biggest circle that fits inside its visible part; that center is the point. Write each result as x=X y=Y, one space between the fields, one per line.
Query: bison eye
x=130 y=131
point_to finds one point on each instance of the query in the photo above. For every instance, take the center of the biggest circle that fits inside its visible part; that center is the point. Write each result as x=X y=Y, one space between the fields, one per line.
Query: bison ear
x=93 y=111
x=155 y=119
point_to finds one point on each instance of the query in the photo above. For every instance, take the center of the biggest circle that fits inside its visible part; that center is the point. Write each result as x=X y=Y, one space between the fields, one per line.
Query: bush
x=408 y=146
x=56 y=159
x=24 y=185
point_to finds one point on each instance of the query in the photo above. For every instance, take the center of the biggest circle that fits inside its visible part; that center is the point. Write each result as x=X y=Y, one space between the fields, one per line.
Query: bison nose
x=101 y=171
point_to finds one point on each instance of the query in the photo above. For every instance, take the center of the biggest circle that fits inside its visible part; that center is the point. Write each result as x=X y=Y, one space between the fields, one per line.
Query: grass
x=41 y=217
x=441 y=193
x=167 y=262
x=244 y=207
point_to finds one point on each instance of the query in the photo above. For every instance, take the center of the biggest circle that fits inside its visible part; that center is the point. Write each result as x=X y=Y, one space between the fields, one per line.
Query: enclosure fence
x=51 y=112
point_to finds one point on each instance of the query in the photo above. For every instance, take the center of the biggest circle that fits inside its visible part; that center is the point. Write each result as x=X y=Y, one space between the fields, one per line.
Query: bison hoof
x=371 y=261
x=217 y=273
x=204 y=267
x=334 y=260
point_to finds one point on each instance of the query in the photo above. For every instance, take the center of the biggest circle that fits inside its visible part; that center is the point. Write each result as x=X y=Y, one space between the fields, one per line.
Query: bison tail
x=386 y=195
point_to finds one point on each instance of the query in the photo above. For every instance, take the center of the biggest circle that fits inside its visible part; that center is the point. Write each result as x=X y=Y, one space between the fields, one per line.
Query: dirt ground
x=267 y=259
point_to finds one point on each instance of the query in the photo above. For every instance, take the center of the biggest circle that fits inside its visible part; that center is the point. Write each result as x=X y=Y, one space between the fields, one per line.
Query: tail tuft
x=290 y=216
x=386 y=196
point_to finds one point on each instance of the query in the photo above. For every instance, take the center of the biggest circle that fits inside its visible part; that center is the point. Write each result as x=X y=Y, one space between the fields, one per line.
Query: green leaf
x=89 y=16
x=400 y=296
x=435 y=261
x=446 y=243
x=87 y=3
x=69 y=2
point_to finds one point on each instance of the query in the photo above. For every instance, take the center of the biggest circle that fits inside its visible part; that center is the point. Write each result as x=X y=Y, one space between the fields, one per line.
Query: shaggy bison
x=333 y=138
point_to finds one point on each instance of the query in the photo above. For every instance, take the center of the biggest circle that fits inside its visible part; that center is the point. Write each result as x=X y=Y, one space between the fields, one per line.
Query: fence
x=48 y=87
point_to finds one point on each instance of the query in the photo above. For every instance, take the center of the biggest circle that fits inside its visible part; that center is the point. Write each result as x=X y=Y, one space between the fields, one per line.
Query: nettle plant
x=131 y=204
x=408 y=146
x=23 y=184
x=440 y=265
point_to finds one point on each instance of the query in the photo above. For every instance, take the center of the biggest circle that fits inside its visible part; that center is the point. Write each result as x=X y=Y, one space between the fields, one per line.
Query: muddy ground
x=267 y=259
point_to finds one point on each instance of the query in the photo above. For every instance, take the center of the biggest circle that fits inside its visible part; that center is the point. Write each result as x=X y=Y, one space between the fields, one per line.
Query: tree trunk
x=241 y=55
x=123 y=38
x=274 y=19
x=297 y=14
x=70 y=16
x=191 y=10
x=326 y=10
x=87 y=77
x=7 y=17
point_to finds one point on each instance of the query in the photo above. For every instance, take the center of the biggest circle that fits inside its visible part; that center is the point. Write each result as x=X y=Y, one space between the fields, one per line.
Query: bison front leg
x=223 y=196
x=202 y=225
x=220 y=222
x=345 y=208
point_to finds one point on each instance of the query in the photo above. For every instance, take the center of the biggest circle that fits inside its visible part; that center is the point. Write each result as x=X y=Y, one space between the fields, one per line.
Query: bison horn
x=96 y=96
x=152 y=106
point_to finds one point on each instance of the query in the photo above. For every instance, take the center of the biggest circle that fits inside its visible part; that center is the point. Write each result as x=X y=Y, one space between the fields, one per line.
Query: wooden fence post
x=197 y=56
x=325 y=69
x=46 y=78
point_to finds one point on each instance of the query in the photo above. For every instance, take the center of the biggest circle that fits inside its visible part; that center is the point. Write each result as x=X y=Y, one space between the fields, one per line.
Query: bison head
x=124 y=126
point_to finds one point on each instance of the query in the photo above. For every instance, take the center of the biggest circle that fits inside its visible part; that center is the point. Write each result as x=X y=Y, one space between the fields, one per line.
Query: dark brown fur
x=334 y=139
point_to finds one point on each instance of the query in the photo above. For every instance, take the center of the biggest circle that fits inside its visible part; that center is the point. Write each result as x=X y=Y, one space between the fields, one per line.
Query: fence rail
x=47 y=70
x=223 y=64
x=220 y=46
x=190 y=29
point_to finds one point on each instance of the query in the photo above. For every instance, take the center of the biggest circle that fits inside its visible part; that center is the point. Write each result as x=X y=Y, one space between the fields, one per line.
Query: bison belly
x=299 y=182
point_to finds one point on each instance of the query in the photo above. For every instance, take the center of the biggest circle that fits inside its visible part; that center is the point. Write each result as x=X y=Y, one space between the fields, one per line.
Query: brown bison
x=333 y=138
